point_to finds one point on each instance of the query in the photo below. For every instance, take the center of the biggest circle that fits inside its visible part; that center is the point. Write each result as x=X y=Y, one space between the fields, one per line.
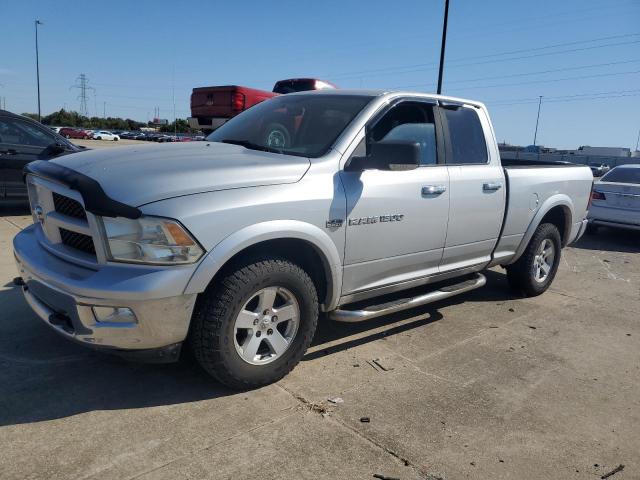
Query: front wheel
x=253 y=326
x=534 y=271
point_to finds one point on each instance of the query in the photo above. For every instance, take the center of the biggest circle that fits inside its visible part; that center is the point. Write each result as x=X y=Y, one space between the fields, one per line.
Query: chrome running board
x=373 y=311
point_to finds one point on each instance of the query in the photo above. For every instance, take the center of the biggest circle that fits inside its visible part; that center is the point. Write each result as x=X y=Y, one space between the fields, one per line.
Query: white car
x=103 y=135
x=615 y=199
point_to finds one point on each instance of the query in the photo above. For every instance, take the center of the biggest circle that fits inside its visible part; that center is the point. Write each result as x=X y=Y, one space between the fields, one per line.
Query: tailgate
x=212 y=101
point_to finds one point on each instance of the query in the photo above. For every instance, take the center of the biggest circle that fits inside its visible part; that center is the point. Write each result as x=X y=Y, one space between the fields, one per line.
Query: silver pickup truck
x=352 y=203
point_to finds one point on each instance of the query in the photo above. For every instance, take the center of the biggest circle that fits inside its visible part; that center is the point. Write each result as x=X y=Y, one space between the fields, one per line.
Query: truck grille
x=68 y=206
x=79 y=241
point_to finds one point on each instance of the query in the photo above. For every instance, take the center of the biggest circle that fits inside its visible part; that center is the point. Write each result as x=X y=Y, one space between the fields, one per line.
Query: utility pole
x=442 y=46
x=82 y=84
x=535 y=135
x=104 y=109
x=173 y=94
x=637 y=141
x=38 y=22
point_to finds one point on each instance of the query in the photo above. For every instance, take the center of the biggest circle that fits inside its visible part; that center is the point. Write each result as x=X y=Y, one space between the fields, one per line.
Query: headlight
x=149 y=240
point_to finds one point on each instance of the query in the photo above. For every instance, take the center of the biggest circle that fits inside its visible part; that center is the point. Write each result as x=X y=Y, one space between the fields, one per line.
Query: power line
x=523 y=74
x=563 y=100
x=552 y=80
x=535 y=99
x=431 y=66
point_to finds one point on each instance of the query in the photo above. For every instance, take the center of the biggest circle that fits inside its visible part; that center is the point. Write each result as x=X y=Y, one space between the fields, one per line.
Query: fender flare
x=557 y=200
x=251 y=235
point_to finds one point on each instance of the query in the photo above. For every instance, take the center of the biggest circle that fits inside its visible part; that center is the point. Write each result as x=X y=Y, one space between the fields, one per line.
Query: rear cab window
x=467 y=144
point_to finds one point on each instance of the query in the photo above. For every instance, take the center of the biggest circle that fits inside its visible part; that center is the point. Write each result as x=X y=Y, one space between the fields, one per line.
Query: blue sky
x=583 y=56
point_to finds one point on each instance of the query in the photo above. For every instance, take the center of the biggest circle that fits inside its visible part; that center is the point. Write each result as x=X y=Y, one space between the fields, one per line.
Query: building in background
x=604 y=151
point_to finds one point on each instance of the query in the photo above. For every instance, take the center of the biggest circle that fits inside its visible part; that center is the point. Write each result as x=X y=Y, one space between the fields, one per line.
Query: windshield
x=303 y=125
x=623 y=175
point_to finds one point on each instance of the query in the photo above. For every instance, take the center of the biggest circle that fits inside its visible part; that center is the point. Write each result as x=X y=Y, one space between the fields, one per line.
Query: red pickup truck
x=212 y=106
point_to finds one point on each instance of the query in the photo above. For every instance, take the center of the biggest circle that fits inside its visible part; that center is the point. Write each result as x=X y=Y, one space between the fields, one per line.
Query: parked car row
x=86 y=134
x=160 y=137
x=115 y=135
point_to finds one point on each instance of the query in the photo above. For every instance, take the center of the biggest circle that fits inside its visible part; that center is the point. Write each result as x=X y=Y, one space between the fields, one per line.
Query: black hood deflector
x=95 y=199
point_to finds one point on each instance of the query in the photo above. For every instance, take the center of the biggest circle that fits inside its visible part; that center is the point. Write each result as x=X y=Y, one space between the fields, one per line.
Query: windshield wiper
x=251 y=145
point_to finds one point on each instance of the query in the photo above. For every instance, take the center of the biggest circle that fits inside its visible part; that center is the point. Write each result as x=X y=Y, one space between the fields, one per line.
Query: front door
x=397 y=220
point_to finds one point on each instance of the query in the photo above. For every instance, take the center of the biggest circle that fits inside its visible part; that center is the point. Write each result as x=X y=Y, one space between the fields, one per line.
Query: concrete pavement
x=481 y=386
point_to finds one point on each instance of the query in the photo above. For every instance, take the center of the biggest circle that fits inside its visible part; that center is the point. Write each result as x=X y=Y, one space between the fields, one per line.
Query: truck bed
x=534 y=187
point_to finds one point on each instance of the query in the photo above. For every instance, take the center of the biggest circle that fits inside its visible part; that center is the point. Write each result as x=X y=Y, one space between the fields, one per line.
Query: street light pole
x=535 y=135
x=442 y=46
x=38 y=22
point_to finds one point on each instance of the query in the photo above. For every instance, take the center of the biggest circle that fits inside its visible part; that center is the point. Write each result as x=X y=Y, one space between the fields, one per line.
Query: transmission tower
x=82 y=84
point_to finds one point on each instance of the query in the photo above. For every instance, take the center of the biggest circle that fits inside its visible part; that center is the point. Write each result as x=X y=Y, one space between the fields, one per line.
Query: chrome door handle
x=433 y=189
x=491 y=186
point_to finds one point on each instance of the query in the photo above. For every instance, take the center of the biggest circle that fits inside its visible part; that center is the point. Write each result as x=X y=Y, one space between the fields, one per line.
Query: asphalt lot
x=93 y=144
x=482 y=386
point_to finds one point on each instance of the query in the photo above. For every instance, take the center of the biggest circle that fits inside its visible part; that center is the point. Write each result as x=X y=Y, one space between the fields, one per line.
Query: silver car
x=615 y=200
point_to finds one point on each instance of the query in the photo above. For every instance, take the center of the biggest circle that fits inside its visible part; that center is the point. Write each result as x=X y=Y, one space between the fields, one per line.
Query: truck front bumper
x=118 y=307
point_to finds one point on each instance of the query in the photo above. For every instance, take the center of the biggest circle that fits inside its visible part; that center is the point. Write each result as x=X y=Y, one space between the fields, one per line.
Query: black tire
x=212 y=337
x=521 y=274
x=99 y=138
x=591 y=229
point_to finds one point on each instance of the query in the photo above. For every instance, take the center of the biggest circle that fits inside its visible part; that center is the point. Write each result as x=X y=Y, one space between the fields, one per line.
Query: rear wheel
x=534 y=271
x=253 y=326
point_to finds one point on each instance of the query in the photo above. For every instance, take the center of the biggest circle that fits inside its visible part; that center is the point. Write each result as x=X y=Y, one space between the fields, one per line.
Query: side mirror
x=390 y=155
x=56 y=149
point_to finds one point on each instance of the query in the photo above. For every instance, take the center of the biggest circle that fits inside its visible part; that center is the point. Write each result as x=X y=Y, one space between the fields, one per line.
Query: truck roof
x=390 y=93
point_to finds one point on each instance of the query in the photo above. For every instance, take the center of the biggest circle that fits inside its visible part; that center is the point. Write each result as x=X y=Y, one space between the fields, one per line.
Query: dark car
x=23 y=140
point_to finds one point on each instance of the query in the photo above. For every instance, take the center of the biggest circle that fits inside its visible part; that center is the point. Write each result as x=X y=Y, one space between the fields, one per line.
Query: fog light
x=114 y=315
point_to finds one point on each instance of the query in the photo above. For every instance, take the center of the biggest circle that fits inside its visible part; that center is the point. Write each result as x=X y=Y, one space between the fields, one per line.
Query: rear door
x=21 y=142
x=477 y=185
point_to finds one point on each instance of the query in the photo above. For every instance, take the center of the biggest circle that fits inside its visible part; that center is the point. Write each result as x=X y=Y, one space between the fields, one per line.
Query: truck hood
x=143 y=174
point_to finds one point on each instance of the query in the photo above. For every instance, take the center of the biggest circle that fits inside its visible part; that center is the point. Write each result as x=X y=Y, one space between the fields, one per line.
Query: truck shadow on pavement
x=610 y=240
x=45 y=377
x=496 y=290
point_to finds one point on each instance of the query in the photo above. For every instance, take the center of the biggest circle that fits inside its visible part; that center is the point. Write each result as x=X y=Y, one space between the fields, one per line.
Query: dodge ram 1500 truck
x=352 y=203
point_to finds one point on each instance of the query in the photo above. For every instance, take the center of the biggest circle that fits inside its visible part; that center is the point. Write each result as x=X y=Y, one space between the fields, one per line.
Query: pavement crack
x=14 y=224
x=396 y=455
